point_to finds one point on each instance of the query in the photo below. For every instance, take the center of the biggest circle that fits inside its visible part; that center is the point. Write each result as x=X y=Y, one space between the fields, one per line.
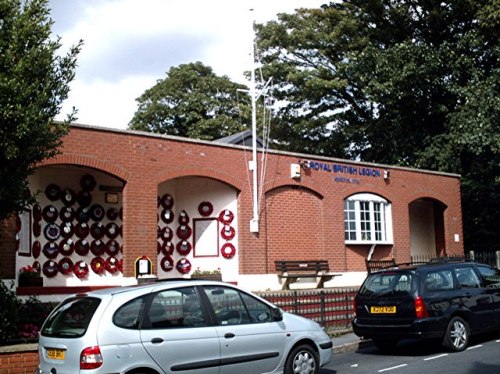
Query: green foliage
x=396 y=82
x=18 y=319
x=8 y=312
x=192 y=101
x=32 y=313
x=34 y=81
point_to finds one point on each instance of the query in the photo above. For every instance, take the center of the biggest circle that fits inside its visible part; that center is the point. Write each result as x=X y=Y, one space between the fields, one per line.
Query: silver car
x=178 y=326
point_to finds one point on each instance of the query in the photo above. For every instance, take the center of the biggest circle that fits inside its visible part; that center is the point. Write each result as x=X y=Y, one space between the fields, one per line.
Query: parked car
x=447 y=301
x=179 y=326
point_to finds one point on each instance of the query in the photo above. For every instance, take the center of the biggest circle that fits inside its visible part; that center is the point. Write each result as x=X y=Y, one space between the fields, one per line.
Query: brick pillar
x=139 y=223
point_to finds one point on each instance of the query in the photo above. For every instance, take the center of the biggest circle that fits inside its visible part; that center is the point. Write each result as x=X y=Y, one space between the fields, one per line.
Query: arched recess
x=297 y=230
x=76 y=220
x=427 y=228
x=197 y=227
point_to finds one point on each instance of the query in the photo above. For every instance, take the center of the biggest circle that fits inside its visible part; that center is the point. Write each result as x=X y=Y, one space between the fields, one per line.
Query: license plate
x=55 y=354
x=383 y=309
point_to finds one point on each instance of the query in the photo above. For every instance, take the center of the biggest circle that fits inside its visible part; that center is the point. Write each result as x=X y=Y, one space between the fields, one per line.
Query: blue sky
x=130 y=44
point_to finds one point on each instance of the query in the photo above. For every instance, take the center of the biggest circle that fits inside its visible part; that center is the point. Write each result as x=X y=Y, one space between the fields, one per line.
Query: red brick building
x=112 y=197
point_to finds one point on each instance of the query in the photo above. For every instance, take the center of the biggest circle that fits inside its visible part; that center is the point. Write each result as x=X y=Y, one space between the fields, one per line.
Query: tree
x=194 y=102
x=33 y=84
x=412 y=83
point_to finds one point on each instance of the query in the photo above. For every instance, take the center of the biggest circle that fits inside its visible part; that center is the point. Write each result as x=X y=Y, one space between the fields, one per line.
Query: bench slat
x=292 y=270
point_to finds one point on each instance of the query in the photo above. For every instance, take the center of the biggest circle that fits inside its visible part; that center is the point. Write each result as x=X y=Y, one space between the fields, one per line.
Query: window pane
x=129 y=314
x=175 y=308
x=259 y=312
x=377 y=221
x=467 y=277
x=349 y=220
x=228 y=305
x=364 y=207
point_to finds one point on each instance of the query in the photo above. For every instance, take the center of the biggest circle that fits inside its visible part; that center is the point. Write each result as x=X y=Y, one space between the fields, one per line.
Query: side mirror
x=277 y=314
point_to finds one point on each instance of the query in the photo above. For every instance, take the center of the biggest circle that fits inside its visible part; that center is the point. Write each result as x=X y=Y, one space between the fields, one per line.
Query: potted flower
x=207 y=274
x=30 y=276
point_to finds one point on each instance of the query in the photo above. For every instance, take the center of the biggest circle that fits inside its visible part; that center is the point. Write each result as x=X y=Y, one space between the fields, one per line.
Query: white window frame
x=369 y=233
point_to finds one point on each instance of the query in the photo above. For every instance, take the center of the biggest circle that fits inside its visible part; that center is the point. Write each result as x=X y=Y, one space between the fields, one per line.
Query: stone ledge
x=26 y=347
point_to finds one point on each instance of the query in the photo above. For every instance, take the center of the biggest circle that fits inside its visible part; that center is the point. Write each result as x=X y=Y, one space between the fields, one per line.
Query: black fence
x=485 y=257
x=333 y=308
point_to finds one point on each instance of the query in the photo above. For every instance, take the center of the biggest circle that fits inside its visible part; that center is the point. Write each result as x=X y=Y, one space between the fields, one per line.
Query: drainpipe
x=370 y=252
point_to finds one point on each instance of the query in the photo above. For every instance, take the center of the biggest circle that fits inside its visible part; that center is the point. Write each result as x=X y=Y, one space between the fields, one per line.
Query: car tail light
x=420 y=308
x=90 y=358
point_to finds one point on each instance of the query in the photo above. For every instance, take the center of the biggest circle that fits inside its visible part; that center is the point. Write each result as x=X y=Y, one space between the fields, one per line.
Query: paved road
x=416 y=357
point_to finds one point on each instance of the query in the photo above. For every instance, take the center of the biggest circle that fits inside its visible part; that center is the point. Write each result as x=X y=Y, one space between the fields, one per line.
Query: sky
x=131 y=44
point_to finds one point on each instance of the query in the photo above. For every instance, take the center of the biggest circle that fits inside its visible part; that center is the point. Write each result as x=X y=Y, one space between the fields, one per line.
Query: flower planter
x=30 y=281
x=214 y=277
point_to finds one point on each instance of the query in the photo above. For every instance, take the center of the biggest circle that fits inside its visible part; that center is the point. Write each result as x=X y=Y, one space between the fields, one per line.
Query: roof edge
x=234 y=146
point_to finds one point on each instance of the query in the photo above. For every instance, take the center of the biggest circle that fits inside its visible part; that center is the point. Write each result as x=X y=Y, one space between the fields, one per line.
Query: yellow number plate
x=383 y=309
x=55 y=354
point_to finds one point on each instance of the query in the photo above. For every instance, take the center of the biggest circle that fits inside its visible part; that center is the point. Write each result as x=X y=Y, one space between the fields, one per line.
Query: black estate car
x=447 y=301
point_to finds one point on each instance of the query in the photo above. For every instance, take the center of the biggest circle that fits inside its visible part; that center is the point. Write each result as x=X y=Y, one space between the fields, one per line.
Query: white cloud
x=129 y=44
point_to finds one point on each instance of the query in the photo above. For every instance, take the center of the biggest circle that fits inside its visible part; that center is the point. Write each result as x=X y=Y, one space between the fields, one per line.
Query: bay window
x=367 y=219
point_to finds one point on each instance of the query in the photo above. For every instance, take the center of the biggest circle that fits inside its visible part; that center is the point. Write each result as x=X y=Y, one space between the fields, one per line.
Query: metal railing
x=491 y=258
x=333 y=308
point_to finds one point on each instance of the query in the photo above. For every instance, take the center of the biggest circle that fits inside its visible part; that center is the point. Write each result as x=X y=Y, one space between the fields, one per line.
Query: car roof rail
x=446 y=259
x=173 y=279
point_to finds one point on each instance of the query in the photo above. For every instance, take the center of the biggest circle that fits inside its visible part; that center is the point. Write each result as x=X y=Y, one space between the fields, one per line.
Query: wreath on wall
x=167 y=216
x=183 y=266
x=167 y=248
x=227 y=232
x=52 y=231
x=81 y=269
x=50 y=268
x=66 y=247
x=183 y=218
x=166 y=234
x=167 y=263
x=184 y=247
x=112 y=265
x=226 y=216
x=50 y=250
x=98 y=264
x=112 y=247
x=167 y=201
x=65 y=266
x=228 y=250
x=184 y=232
x=205 y=208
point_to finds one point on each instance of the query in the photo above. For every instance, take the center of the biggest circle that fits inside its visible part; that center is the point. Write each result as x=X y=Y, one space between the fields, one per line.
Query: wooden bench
x=291 y=271
x=374 y=265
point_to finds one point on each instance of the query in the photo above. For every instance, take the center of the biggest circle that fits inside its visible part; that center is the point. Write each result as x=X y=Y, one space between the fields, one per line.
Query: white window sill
x=366 y=242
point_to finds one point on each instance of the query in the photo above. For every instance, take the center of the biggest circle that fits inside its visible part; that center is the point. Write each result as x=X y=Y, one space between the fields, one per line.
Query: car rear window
x=390 y=282
x=71 y=318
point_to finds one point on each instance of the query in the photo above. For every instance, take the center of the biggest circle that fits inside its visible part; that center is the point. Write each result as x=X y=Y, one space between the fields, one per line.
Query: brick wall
x=299 y=218
x=18 y=361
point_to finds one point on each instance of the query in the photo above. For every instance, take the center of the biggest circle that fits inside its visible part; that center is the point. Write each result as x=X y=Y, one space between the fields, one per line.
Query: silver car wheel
x=458 y=334
x=302 y=360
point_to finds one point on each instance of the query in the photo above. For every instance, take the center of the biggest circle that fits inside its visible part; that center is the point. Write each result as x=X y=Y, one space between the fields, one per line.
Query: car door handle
x=156 y=340
x=229 y=335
